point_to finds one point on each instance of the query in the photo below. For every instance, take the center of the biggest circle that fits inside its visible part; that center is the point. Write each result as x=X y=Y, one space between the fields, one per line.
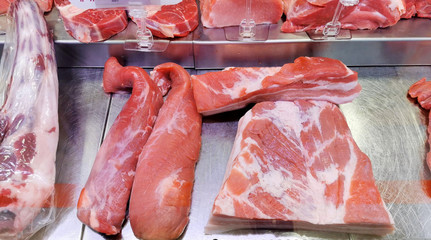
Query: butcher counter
x=387 y=125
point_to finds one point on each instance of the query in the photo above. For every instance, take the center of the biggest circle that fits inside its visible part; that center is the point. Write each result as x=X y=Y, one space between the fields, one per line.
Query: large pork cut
x=28 y=122
x=303 y=15
x=307 y=78
x=422 y=91
x=91 y=25
x=162 y=189
x=168 y=21
x=44 y=5
x=295 y=164
x=223 y=13
x=103 y=201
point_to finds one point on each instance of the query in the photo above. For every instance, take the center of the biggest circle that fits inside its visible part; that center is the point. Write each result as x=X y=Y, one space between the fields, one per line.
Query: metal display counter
x=388 y=126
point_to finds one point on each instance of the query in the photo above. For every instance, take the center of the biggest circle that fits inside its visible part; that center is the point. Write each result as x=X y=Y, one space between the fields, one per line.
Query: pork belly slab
x=314 y=78
x=296 y=165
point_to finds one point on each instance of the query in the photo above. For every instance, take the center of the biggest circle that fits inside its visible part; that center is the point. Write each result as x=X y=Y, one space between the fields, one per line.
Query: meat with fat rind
x=303 y=15
x=315 y=78
x=91 y=25
x=296 y=165
x=223 y=13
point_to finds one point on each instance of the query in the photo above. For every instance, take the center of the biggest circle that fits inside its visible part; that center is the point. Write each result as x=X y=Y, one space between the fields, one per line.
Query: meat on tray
x=161 y=195
x=91 y=25
x=44 y=5
x=169 y=21
x=422 y=91
x=303 y=15
x=296 y=165
x=103 y=201
x=223 y=13
x=28 y=123
x=314 y=78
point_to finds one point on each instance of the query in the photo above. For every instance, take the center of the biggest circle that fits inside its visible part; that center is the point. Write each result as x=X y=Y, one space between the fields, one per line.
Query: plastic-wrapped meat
x=161 y=194
x=303 y=15
x=28 y=122
x=44 y=5
x=314 y=78
x=103 y=201
x=91 y=25
x=223 y=13
x=422 y=91
x=295 y=164
x=170 y=21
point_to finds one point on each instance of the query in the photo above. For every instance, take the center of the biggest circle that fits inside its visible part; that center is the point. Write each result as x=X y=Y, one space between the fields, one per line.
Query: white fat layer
x=311 y=203
x=32 y=93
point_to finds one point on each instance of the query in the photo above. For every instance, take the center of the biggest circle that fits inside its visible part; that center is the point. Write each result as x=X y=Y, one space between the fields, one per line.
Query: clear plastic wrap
x=28 y=123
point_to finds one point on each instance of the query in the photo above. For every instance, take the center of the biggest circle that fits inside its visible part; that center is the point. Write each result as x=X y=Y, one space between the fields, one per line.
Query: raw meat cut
x=303 y=15
x=44 y=5
x=28 y=122
x=223 y=13
x=295 y=164
x=422 y=91
x=91 y=25
x=103 y=201
x=170 y=21
x=423 y=8
x=161 y=193
x=307 y=78
x=410 y=9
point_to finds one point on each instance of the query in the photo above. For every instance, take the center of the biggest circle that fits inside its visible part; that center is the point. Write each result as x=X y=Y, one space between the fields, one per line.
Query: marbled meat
x=307 y=78
x=223 y=13
x=91 y=25
x=28 y=122
x=169 y=21
x=303 y=15
x=296 y=165
x=161 y=194
x=103 y=201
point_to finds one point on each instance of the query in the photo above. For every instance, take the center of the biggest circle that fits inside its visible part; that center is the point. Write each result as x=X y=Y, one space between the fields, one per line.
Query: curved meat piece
x=103 y=201
x=161 y=194
x=313 y=78
x=28 y=121
x=422 y=91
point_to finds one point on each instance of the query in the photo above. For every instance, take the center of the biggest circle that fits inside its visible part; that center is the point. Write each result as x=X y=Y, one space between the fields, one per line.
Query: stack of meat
x=153 y=146
x=294 y=164
x=303 y=15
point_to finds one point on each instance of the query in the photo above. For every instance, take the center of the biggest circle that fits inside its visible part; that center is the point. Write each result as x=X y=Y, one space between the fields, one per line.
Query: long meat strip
x=295 y=164
x=28 y=120
x=422 y=91
x=314 y=78
x=103 y=201
x=161 y=193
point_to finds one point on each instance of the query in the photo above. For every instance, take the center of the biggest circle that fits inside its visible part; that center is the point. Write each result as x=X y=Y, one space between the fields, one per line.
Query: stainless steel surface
x=388 y=126
x=402 y=44
x=83 y=108
x=406 y=43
